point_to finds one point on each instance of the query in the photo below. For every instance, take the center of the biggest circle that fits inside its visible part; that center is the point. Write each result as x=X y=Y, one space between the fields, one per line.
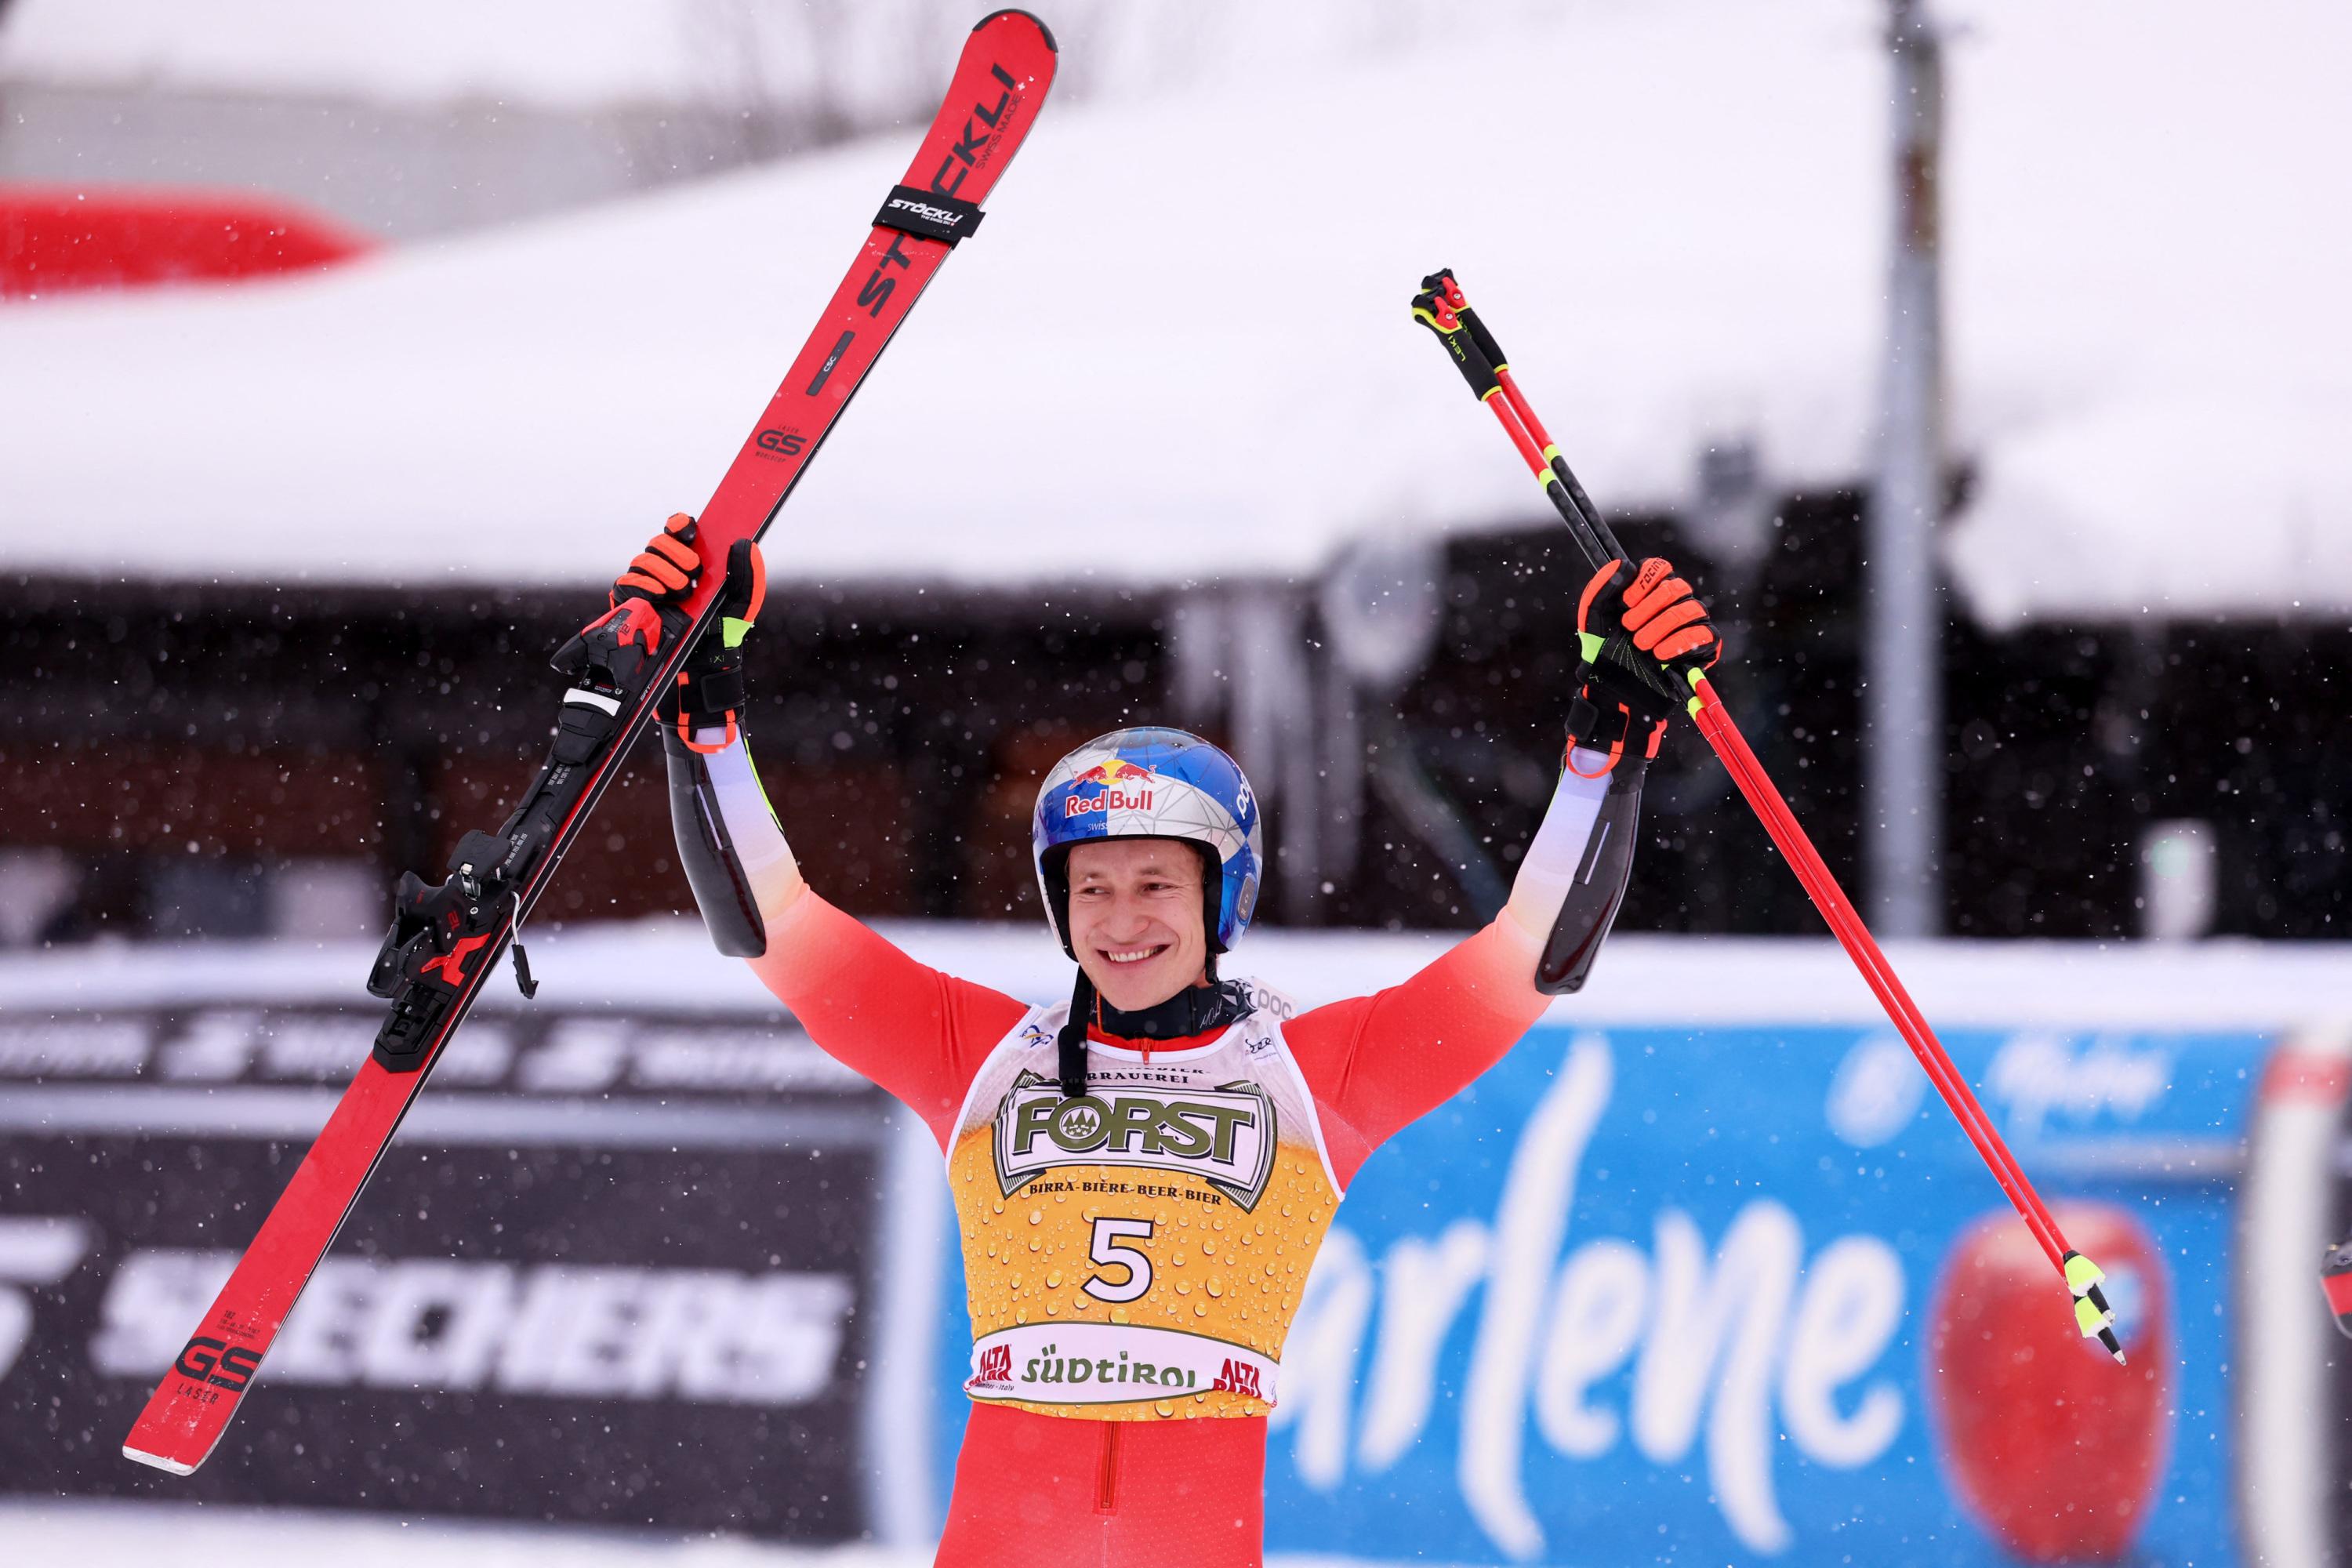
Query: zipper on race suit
x=1107 y=1482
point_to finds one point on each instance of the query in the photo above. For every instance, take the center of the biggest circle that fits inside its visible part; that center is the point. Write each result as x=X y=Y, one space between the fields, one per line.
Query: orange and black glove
x=709 y=693
x=647 y=609
x=665 y=570
x=1637 y=655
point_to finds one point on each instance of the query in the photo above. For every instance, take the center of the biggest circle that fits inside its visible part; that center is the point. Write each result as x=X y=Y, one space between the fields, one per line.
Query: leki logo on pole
x=1223 y=1136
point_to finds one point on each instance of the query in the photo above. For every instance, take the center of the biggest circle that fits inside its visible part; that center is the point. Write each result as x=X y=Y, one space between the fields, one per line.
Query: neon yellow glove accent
x=731 y=632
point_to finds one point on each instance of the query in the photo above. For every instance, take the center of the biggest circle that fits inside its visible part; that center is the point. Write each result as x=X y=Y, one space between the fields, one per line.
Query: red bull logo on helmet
x=1125 y=786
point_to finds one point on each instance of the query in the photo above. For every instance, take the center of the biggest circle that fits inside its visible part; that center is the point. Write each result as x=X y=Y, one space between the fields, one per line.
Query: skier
x=1142 y=1175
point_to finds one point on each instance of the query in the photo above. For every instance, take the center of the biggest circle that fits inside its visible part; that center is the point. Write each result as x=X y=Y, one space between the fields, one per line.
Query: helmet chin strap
x=1195 y=1010
x=1072 y=1040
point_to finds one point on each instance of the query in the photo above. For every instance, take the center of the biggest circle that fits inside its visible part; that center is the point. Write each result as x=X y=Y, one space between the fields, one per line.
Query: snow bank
x=1179 y=350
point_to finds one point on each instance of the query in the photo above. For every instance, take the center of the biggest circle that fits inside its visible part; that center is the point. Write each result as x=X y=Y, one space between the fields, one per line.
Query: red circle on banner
x=2049 y=1445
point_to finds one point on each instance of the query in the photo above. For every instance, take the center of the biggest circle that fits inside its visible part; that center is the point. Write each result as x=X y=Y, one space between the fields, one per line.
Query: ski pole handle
x=1449 y=295
x=1445 y=310
x=1470 y=357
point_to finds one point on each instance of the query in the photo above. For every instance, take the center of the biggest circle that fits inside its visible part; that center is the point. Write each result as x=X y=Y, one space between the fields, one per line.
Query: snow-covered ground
x=139 y=1535
x=136 y=1535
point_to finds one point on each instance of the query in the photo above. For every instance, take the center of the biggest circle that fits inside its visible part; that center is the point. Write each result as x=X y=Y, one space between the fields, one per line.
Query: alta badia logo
x=1223 y=1136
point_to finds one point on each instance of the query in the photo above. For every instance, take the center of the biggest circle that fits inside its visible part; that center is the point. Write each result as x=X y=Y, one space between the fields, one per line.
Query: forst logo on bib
x=1125 y=786
x=1076 y=1124
x=1223 y=1136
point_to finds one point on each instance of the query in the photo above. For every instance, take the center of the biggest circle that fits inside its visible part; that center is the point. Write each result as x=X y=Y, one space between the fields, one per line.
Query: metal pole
x=1902 y=754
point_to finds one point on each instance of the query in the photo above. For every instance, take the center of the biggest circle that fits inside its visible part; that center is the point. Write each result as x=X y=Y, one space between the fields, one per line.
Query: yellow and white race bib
x=1137 y=1252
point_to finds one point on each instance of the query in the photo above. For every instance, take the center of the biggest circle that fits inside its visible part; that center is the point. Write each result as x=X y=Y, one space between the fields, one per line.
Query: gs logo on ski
x=218 y=1362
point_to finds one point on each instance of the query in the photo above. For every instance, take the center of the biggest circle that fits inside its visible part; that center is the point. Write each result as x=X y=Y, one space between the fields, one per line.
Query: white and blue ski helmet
x=1153 y=783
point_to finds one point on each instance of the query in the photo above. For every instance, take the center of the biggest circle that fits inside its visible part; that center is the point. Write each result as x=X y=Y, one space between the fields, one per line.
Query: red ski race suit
x=1134 y=1255
x=1142 y=1479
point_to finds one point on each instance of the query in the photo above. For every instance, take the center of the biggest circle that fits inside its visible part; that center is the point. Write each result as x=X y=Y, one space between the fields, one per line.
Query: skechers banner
x=602 y=1240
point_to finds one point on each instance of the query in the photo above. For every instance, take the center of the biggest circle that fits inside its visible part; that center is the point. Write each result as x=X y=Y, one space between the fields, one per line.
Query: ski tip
x=171 y=1466
x=1044 y=31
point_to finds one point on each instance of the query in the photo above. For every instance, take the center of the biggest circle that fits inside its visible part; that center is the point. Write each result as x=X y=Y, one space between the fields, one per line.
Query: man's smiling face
x=1135 y=918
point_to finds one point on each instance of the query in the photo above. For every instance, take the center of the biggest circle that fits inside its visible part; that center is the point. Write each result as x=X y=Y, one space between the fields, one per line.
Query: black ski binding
x=443 y=935
x=438 y=934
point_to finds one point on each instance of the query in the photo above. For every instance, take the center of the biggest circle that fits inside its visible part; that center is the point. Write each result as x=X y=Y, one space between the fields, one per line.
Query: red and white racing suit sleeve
x=919 y=1033
x=1378 y=1063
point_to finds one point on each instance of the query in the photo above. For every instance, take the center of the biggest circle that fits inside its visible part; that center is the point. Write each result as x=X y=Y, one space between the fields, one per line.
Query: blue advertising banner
x=1739 y=1292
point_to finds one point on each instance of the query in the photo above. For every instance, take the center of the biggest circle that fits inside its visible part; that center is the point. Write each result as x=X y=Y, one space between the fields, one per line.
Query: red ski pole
x=1442 y=306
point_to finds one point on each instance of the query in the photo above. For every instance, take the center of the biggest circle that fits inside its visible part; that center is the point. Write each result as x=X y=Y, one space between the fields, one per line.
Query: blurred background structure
x=2137 y=615
x=1983 y=361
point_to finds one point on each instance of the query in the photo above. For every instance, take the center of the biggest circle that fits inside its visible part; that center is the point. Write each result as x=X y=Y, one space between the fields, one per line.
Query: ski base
x=160 y=1461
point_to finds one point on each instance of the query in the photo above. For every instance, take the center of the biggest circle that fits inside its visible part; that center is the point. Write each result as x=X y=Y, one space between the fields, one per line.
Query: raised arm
x=1376 y=1063
x=918 y=1033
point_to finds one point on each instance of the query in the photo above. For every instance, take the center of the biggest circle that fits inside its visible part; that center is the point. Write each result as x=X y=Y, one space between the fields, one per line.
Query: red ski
x=447 y=939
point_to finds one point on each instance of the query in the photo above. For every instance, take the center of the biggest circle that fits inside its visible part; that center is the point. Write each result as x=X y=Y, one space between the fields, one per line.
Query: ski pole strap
x=686 y=727
x=928 y=214
x=717 y=690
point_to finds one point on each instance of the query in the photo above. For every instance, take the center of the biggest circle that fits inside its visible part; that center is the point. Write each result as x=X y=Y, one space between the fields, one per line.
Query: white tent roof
x=1180 y=348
